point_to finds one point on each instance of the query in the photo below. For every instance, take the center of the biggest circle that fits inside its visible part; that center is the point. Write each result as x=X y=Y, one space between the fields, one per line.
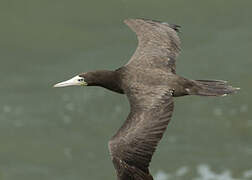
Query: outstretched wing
x=135 y=142
x=158 y=43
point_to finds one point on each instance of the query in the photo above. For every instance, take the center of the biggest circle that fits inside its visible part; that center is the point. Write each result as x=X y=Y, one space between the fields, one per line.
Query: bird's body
x=150 y=82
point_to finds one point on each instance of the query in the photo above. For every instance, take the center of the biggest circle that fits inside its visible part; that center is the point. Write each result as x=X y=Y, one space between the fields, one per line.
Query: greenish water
x=62 y=134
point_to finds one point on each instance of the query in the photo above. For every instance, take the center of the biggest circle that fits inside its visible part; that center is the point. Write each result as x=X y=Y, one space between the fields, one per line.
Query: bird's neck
x=107 y=79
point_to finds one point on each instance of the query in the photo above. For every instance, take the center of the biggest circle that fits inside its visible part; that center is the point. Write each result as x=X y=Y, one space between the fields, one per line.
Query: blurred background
x=62 y=134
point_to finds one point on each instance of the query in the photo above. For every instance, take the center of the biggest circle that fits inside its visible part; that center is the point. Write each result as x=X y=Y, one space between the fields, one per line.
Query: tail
x=212 y=88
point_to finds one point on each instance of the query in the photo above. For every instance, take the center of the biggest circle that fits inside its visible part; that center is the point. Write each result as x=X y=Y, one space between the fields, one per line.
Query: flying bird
x=150 y=82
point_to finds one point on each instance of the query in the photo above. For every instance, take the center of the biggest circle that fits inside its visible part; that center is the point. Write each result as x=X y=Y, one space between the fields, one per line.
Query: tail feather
x=214 y=88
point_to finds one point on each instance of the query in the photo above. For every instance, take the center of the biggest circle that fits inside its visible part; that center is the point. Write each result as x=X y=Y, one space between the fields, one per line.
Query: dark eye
x=80 y=80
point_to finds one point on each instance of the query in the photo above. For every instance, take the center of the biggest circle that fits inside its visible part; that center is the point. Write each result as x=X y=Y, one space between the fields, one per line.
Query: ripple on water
x=65 y=97
x=7 y=109
x=68 y=153
x=172 y=139
x=182 y=171
x=162 y=176
x=250 y=123
x=67 y=119
x=18 y=123
x=248 y=174
x=217 y=111
x=204 y=172
x=244 y=108
x=70 y=106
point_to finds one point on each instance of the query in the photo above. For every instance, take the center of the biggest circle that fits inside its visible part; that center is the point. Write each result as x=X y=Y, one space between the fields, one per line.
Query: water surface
x=62 y=134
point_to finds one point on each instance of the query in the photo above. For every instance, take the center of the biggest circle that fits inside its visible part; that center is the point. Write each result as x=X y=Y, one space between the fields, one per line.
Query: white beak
x=75 y=81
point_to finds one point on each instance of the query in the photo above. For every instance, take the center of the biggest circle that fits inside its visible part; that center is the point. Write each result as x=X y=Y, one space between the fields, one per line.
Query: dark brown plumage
x=150 y=82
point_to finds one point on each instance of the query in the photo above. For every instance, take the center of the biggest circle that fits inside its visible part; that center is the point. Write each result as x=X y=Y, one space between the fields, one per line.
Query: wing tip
x=173 y=26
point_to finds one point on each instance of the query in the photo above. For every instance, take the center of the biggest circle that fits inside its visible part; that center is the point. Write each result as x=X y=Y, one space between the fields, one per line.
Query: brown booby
x=150 y=82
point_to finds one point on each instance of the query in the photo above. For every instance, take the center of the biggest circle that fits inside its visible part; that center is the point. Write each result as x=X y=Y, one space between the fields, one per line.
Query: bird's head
x=79 y=80
x=102 y=78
